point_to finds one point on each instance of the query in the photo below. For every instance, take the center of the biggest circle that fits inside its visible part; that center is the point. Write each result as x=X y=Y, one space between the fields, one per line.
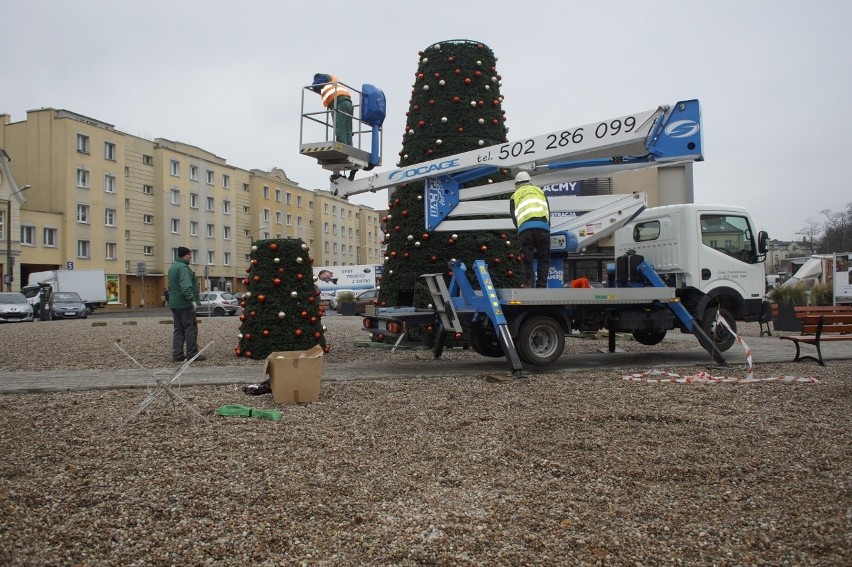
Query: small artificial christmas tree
x=455 y=106
x=281 y=309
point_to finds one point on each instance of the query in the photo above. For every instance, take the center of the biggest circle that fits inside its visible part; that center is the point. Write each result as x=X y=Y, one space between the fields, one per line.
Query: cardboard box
x=294 y=376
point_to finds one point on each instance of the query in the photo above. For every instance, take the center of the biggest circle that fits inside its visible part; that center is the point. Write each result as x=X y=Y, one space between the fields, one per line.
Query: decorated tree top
x=455 y=106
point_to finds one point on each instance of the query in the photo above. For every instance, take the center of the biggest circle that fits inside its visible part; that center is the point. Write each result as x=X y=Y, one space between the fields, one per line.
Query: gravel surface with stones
x=586 y=469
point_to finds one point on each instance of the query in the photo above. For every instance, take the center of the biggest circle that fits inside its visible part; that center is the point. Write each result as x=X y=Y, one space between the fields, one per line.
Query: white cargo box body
x=685 y=247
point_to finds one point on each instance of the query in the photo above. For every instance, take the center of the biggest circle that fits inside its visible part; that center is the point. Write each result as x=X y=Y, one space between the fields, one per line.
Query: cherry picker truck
x=529 y=325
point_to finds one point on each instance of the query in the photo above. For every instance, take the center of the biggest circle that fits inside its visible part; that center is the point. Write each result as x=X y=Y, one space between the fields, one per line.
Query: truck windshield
x=729 y=234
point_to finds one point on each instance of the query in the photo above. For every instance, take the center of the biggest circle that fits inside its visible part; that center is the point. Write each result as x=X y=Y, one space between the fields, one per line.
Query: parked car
x=365 y=298
x=14 y=308
x=218 y=303
x=67 y=305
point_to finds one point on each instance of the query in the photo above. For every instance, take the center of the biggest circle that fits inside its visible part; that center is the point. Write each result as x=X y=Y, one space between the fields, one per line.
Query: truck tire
x=718 y=333
x=649 y=338
x=486 y=344
x=540 y=341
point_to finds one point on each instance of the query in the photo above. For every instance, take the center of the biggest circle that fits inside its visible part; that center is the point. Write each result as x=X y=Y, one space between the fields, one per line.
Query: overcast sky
x=773 y=77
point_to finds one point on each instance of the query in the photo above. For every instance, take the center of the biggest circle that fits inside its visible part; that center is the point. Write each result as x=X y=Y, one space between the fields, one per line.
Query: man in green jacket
x=183 y=297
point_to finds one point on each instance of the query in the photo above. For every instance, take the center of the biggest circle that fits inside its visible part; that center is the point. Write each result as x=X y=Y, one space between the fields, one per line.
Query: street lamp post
x=9 y=237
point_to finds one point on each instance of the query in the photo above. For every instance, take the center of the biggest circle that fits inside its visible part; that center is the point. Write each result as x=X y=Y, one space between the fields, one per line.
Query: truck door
x=728 y=255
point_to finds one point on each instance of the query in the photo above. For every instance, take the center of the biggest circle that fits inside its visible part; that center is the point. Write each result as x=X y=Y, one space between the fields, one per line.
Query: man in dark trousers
x=336 y=98
x=183 y=297
x=531 y=215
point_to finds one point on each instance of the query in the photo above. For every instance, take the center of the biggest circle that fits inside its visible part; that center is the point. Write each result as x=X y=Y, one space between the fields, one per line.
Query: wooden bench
x=821 y=324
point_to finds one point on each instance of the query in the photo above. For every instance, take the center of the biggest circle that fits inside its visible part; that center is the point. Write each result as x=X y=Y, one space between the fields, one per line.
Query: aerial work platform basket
x=317 y=131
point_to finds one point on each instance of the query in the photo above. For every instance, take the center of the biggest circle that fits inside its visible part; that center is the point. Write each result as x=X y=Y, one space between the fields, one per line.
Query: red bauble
x=317 y=335
x=422 y=123
x=404 y=213
x=242 y=317
x=245 y=281
x=281 y=269
x=313 y=319
x=467 y=81
x=261 y=298
x=256 y=279
x=425 y=236
x=406 y=255
x=420 y=75
x=457 y=71
x=238 y=352
x=434 y=258
x=248 y=270
x=266 y=332
x=298 y=332
x=510 y=273
x=299 y=276
x=247 y=336
x=397 y=228
x=248 y=354
x=460 y=130
x=393 y=253
x=273 y=246
x=483 y=248
x=254 y=261
x=310 y=299
x=325 y=349
x=252 y=313
x=450 y=241
x=456 y=99
x=277 y=281
x=496 y=260
x=303 y=314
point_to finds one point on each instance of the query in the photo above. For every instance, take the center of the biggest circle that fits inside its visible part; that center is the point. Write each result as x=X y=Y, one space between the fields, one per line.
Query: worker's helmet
x=522 y=177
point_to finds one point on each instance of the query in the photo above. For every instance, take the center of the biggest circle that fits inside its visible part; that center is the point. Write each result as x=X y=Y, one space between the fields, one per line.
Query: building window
x=28 y=235
x=211 y=231
x=3 y=224
x=299 y=201
x=298 y=222
x=49 y=237
x=209 y=177
x=175 y=196
x=148 y=189
x=226 y=233
x=193 y=200
x=226 y=258
x=211 y=257
x=83 y=214
x=109 y=217
x=193 y=172
x=109 y=184
x=245 y=209
x=288 y=198
x=211 y=204
x=109 y=151
x=289 y=219
x=325 y=208
x=82 y=178
x=110 y=250
x=82 y=143
x=266 y=191
x=147 y=160
x=193 y=228
x=265 y=215
x=226 y=181
x=148 y=250
x=83 y=248
x=226 y=207
x=175 y=226
x=278 y=195
x=325 y=227
x=278 y=217
x=174 y=168
x=245 y=187
x=147 y=219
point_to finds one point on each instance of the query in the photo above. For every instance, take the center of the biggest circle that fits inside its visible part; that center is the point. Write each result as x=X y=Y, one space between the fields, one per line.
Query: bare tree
x=835 y=227
x=810 y=232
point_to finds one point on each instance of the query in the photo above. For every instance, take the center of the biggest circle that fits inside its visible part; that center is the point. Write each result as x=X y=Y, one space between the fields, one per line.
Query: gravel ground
x=586 y=469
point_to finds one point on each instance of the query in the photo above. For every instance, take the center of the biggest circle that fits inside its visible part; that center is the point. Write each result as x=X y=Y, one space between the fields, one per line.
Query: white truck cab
x=712 y=254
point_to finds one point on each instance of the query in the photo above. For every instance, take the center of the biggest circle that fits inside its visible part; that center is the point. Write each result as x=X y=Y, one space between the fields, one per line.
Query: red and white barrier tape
x=701 y=377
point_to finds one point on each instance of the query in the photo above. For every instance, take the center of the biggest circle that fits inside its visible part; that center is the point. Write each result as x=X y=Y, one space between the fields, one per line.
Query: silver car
x=218 y=303
x=14 y=308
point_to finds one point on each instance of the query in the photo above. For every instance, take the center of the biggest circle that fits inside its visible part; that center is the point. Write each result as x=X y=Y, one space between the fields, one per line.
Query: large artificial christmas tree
x=281 y=309
x=455 y=107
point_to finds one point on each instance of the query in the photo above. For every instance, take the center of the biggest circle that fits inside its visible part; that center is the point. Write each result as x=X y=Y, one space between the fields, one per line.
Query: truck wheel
x=540 y=341
x=649 y=338
x=718 y=333
x=486 y=344
x=219 y=312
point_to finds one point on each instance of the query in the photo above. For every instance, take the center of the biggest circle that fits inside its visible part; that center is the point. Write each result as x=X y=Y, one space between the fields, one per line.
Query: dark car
x=67 y=305
x=365 y=298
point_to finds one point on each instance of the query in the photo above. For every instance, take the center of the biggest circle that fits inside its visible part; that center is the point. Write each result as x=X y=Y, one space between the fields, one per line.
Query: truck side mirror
x=762 y=238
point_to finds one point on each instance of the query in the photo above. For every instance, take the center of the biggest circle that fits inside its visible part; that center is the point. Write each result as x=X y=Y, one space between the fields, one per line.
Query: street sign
x=69 y=266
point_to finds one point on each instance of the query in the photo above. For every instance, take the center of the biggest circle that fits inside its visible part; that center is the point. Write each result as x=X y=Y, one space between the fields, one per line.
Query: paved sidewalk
x=421 y=364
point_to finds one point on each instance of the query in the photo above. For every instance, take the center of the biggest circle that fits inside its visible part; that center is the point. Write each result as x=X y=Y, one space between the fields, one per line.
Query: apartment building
x=102 y=198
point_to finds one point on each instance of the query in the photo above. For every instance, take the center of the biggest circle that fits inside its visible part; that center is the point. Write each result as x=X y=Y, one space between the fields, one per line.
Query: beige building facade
x=104 y=199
